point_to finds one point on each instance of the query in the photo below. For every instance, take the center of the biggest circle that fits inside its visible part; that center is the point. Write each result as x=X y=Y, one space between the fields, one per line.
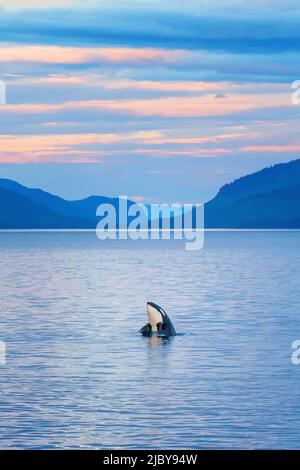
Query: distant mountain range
x=22 y=207
x=267 y=199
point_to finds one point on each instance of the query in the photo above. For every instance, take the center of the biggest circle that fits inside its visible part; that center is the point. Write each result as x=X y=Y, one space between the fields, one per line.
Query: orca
x=159 y=323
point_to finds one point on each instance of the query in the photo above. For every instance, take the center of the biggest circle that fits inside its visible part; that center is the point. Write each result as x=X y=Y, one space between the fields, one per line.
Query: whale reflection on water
x=158 y=341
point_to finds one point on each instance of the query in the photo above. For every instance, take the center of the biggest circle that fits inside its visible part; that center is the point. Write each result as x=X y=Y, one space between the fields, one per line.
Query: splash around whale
x=159 y=323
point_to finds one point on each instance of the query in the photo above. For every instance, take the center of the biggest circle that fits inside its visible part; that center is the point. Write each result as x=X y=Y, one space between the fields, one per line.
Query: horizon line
x=149 y=230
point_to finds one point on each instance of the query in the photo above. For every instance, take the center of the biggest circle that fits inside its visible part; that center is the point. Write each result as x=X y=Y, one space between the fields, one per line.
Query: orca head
x=156 y=315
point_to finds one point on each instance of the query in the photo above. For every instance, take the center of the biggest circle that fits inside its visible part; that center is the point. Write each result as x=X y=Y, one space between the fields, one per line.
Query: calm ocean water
x=78 y=375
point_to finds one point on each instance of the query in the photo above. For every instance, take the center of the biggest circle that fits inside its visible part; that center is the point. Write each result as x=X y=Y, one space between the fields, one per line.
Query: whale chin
x=155 y=315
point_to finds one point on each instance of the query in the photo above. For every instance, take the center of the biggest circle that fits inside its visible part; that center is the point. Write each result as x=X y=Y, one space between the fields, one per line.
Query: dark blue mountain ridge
x=269 y=198
x=265 y=199
x=59 y=213
x=85 y=208
x=22 y=207
x=19 y=212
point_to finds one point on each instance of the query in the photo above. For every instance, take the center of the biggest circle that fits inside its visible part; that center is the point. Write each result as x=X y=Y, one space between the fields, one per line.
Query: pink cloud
x=80 y=55
x=137 y=199
x=271 y=148
x=72 y=148
x=163 y=86
x=195 y=106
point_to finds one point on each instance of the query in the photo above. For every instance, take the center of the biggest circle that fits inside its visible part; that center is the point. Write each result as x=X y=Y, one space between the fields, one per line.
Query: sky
x=161 y=100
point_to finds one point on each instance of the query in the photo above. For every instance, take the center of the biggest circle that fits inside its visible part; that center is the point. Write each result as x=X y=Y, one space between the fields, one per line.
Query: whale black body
x=159 y=323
